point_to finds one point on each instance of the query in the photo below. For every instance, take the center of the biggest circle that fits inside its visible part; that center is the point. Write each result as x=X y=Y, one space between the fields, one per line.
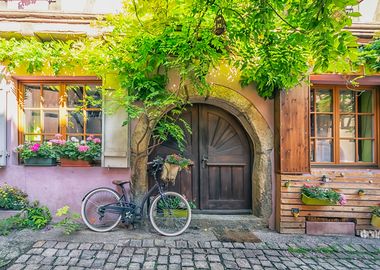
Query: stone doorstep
x=8 y=213
x=330 y=228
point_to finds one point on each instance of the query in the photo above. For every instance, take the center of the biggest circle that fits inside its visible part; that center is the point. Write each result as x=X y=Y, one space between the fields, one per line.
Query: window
x=343 y=129
x=71 y=109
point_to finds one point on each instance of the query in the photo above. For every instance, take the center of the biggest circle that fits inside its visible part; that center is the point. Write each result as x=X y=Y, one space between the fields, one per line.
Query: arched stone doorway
x=257 y=129
x=219 y=181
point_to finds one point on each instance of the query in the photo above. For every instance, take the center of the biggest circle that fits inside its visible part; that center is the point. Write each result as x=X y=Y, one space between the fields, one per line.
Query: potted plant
x=75 y=153
x=37 y=154
x=375 y=220
x=316 y=195
x=174 y=206
x=172 y=165
x=361 y=192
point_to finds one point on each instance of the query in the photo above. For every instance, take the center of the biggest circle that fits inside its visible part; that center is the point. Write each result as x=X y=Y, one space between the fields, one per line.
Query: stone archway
x=256 y=127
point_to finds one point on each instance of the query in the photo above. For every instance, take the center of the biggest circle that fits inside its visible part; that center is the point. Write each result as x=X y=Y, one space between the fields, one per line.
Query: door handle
x=204 y=161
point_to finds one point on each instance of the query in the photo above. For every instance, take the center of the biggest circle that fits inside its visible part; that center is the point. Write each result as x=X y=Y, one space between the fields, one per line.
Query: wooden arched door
x=220 y=179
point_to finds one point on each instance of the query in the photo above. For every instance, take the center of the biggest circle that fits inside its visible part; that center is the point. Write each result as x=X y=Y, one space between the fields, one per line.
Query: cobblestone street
x=149 y=251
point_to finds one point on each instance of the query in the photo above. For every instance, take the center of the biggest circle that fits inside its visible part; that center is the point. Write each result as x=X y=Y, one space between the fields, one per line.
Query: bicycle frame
x=124 y=202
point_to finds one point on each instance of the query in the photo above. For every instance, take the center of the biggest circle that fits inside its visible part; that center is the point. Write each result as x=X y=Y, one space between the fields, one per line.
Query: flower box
x=375 y=221
x=175 y=212
x=313 y=201
x=74 y=163
x=36 y=161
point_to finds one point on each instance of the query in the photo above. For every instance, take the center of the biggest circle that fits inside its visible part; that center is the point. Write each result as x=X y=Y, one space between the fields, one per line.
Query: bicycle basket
x=169 y=172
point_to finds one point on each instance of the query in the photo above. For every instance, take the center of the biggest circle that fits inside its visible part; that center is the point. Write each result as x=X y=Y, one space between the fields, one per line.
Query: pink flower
x=35 y=147
x=83 y=148
x=57 y=141
x=58 y=136
x=90 y=138
x=96 y=140
x=307 y=185
x=342 y=199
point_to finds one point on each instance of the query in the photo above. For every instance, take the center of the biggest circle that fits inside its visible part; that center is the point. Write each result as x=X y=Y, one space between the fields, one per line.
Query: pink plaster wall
x=59 y=186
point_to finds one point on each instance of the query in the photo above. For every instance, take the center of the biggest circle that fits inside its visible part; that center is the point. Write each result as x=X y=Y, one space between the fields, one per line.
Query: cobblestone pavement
x=192 y=254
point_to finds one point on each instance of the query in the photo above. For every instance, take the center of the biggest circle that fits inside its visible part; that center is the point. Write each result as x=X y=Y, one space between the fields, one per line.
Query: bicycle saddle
x=120 y=182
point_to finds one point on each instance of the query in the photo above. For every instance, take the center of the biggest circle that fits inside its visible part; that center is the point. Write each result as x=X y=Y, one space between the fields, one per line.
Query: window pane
x=33 y=138
x=347 y=126
x=93 y=96
x=365 y=126
x=347 y=101
x=312 y=100
x=74 y=96
x=32 y=96
x=94 y=122
x=324 y=125
x=32 y=121
x=365 y=102
x=312 y=154
x=312 y=128
x=75 y=122
x=50 y=96
x=324 y=100
x=324 y=151
x=51 y=122
x=347 y=150
x=366 y=151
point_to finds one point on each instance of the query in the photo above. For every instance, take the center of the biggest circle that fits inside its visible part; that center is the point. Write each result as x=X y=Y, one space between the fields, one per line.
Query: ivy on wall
x=274 y=43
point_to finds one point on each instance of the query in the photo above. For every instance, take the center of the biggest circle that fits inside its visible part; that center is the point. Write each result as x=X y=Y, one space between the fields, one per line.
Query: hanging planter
x=313 y=201
x=317 y=195
x=375 y=221
x=169 y=172
x=37 y=161
x=74 y=163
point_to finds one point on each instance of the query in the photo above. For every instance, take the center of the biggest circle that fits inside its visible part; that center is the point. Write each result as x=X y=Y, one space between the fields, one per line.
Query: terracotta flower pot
x=313 y=201
x=74 y=163
x=40 y=161
x=169 y=172
x=375 y=221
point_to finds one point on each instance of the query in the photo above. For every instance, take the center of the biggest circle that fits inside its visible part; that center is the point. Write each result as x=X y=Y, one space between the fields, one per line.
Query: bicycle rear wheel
x=170 y=214
x=96 y=215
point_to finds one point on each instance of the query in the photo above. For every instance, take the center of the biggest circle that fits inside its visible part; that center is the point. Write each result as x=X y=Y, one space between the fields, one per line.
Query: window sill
x=345 y=166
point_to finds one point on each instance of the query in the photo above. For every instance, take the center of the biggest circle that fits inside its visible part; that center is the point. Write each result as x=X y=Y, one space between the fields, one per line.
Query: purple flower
x=342 y=199
x=35 y=147
x=83 y=148
x=96 y=140
x=57 y=141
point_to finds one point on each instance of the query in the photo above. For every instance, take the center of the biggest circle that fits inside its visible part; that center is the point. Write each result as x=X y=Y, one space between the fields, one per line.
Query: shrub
x=318 y=192
x=33 y=217
x=12 y=198
x=70 y=222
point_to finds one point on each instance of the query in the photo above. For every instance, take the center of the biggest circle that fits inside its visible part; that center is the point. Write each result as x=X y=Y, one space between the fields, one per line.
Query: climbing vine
x=274 y=43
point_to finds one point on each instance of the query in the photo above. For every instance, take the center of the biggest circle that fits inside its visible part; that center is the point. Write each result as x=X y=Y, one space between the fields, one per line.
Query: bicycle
x=103 y=208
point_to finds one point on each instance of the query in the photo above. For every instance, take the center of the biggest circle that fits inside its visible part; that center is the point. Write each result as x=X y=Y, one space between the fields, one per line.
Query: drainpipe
x=3 y=126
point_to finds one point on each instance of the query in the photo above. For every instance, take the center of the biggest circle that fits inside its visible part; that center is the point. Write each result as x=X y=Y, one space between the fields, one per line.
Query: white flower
x=82 y=142
x=73 y=139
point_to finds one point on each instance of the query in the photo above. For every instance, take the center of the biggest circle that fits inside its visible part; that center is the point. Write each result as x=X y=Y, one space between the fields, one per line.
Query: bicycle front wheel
x=170 y=214
x=97 y=212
